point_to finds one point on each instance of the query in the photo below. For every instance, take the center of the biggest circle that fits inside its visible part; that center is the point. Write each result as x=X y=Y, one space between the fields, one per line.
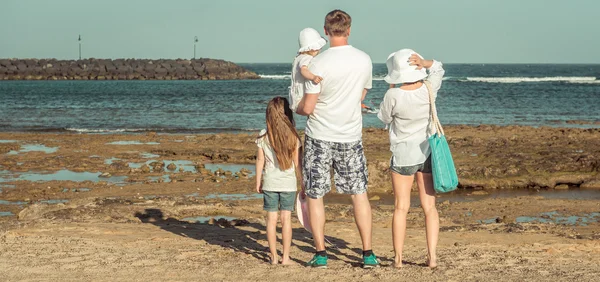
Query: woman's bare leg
x=432 y=219
x=401 y=185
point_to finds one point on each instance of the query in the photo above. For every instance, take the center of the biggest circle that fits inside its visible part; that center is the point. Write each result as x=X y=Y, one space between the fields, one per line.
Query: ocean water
x=536 y=95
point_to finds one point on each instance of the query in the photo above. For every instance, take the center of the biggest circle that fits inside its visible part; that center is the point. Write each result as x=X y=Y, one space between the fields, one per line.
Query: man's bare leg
x=363 y=218
x=316 y=212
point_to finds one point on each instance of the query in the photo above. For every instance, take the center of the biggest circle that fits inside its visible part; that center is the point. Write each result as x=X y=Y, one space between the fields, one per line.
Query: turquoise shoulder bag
x=445 y=178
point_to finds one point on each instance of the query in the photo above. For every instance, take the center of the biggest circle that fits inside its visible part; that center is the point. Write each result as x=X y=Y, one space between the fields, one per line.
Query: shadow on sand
x=243 y=239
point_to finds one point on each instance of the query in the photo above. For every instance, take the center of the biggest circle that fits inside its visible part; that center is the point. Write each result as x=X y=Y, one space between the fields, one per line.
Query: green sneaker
x=370 y=261
x=318 y=262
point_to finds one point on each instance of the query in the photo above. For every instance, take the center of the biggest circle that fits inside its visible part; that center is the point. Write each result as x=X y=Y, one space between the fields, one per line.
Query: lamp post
x=79 y=46
x=195 y=41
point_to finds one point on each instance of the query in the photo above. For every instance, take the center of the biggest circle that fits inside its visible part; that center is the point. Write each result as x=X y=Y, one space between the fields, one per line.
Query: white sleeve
x=309 y=86
x=260 y=141
x=369 y=83
x=304 y=61
x=436 y=75
x=386 y=108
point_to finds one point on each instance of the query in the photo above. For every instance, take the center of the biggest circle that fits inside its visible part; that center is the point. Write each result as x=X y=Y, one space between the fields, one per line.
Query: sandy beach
x=139 y=207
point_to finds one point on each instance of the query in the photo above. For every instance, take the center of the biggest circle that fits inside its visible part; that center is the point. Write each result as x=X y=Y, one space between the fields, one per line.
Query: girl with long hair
x=277 y=171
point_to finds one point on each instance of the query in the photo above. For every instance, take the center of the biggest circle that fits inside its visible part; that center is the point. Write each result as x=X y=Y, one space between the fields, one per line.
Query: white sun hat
x=302 y=211
x=310 y=39
x=389 y=62
x=400 y=70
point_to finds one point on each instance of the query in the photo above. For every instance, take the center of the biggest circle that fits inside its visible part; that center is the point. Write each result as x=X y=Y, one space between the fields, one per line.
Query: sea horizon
x=545 y=95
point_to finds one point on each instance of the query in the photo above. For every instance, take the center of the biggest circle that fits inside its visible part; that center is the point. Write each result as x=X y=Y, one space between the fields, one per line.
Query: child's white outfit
x=297 y=87
x=309 y=39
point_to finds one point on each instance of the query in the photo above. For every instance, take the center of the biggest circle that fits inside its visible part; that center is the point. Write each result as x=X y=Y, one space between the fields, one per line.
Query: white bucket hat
x=389 y=63
x=399 y=70
x=310 y=39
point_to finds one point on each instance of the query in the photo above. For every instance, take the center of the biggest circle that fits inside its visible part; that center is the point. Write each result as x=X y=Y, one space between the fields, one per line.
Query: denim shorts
x=411 y=169
x=279 y=201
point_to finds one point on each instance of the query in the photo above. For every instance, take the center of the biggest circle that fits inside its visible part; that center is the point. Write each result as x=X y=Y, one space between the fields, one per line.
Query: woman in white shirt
x=406 y=110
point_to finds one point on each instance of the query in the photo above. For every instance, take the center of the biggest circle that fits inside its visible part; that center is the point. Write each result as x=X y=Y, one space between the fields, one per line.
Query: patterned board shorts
x=349 y=167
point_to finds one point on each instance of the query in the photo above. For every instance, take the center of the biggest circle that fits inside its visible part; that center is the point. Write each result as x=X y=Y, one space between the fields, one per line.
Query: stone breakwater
x=122 y=69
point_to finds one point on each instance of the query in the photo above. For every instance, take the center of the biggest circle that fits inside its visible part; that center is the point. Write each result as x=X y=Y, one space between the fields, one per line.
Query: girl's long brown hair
x=281 y=131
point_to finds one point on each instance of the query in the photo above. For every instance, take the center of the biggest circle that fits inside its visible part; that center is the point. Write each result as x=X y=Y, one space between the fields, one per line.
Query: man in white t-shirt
x=334 y=134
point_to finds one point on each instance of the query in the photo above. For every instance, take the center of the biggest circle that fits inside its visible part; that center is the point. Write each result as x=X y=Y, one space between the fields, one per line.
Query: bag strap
x=433 y=112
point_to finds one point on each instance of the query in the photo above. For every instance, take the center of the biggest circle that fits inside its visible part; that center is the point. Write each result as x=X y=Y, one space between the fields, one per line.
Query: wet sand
x=528 y=209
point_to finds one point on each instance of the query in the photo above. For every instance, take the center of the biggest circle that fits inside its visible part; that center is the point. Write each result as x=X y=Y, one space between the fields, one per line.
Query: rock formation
x=121 y=69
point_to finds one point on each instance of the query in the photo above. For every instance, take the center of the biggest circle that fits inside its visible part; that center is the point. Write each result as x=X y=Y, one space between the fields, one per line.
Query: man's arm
x=297 y=159
x=312 y=91
x=369 y=83
x=307 y=104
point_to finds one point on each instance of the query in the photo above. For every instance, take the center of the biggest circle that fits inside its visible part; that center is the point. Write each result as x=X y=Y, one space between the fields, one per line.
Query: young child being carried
x=279 y=156
x=310 y=42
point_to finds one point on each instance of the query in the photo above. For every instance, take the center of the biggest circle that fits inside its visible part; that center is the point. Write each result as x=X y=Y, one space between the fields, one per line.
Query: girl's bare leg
x=286 y=234
x=432 y=219
x=401 y=185
x=272 y=235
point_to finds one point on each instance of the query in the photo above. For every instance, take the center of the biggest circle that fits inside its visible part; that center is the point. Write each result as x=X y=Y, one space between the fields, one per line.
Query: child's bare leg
x=402 y=185
x=286 y=234
x=272 y=235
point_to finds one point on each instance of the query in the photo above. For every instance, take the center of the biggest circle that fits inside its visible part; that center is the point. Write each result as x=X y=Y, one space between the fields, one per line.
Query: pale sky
x=242 y=31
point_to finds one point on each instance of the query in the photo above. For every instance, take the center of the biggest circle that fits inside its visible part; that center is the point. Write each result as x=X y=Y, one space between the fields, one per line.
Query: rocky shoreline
x=486 y=157
x=122 y=69
x=183 y=206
